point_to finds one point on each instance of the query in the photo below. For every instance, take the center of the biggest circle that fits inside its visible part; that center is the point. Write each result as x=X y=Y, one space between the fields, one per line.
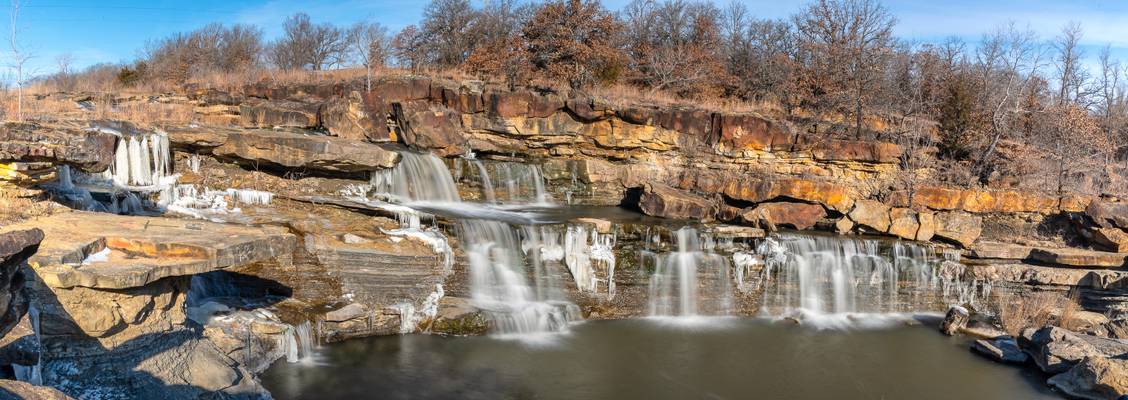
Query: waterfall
x=417 y=177
x=522 y=183
x=582 y=257
x=487 y=185
x=831 y=274
x=499 y=286
x=499 y=253
x=297 y=342
x=679 y=277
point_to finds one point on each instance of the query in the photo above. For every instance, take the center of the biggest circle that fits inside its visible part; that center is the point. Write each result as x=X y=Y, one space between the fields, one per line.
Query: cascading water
x=681 y=277
x=831 y=274
x=497 y=255
x=508 y=182
x=298 y=342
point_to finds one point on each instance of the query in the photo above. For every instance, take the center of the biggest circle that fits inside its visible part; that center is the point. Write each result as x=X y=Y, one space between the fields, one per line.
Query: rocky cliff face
x=270 y=235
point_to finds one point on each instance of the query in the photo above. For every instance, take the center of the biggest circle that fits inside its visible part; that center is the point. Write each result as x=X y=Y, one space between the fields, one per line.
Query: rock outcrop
x=666 y=202
x=305 y=151
x=81 y=147
x=15 y=249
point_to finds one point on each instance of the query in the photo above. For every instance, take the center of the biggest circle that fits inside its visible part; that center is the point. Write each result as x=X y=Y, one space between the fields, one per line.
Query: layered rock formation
x=297 y=241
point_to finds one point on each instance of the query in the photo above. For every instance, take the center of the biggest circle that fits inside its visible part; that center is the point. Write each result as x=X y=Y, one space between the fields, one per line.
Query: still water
x=659 y=359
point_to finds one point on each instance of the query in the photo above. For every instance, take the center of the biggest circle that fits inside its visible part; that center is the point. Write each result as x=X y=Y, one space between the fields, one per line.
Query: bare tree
x=368 y=41
x=847 y=41
x=409 y=47
x=308 y=45
x=240 y=47
x=676 y=46
x=446 y=25
x=1071 y=76
x=1009 y=60
x=19 y=57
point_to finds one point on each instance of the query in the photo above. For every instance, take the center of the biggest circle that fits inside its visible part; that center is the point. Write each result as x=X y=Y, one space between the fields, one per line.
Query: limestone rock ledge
x=105 y=251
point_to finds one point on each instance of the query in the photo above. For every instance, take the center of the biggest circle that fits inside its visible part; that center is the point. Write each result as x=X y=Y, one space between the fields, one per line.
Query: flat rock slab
x=298 y=150
x=143 y=250
x=1044 y=275
x=1000 y=251
x=1080 y=257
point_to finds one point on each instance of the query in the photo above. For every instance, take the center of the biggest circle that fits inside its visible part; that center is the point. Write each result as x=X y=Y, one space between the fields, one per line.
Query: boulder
x=872 y=214
x=903 y=223
x=438 y=130
x=959 y=227
x=89 y=149
x=297 y=150
x=15 y=249
x=799 y=216
x=1094 y=378
x=1003 y=349
x=1056 y=350
x=954 y=320
x=1107 y=214
x=350 y=311
x=1112 y=239
x=663 y=201
x=351 y=118
x=457 y=316
x=843 y=226
x=279 y=114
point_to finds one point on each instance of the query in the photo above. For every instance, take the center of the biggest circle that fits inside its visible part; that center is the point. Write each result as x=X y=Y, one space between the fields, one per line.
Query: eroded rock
x=305 y=151
x=666 y=202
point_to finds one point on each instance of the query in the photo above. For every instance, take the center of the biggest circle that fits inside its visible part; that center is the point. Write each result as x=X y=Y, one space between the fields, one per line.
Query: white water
x=503 y=182
x=586 y=251
x=499 y=259
x=298 y=343
x=833 y=274
x=680 y=277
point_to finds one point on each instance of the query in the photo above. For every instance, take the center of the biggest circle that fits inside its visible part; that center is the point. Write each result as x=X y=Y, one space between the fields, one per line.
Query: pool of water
x=660 y=359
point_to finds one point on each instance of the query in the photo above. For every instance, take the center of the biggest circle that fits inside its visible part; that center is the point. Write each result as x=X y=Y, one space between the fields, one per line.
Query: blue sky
x=114 y=31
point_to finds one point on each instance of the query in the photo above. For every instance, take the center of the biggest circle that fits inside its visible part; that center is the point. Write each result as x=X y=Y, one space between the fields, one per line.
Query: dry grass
x=16 y=206
x=136 y=109
x=1016 y=312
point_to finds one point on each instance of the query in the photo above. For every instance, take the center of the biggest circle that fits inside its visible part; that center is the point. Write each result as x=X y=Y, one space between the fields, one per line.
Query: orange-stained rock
x=1074 y=202
x=509 y=104
x=616 y=134
x=872 y=214
x=833 y=196
x=853 y=150
x=799 y=216
x=903 y=223
x=435 y=129
x=1108 y=214
x=351 y=118
x=740 y=132
x=978 y=201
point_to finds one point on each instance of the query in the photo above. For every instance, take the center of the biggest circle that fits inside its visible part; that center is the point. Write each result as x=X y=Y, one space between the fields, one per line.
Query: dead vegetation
x=1015 y=312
